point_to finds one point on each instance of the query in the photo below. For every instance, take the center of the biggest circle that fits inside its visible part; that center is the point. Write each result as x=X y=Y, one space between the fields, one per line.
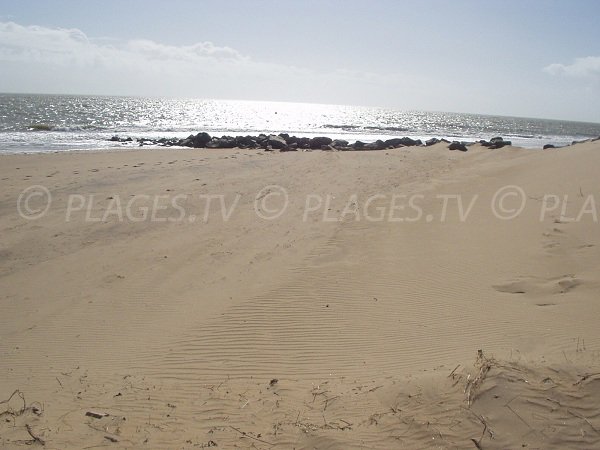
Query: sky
x=519 y=58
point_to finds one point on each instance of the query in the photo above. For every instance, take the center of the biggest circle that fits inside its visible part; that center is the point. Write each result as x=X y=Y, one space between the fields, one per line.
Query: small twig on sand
x=243 y=433
x=485 y=364
x=477 y=444
x=585 y=377
x=33 y=436
x=486 y=427
x=452 y=373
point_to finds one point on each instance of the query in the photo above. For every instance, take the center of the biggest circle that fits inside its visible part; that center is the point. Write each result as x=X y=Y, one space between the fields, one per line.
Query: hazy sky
x=524 y=58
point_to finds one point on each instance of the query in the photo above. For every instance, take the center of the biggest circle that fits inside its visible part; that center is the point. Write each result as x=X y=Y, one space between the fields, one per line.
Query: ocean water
x=42 y=123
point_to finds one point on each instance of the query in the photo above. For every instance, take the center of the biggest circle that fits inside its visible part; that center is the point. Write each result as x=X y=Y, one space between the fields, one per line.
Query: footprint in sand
x=540 y=286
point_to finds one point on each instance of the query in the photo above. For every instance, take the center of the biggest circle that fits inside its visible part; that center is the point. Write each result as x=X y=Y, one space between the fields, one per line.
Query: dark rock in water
x=201 y=139
x=485 y=143
x=293 y=147
x=277 y=142
x=303 y=142
x=245 y=142
x=223 y=142
x=498 y=142
x=291 y=140
x=285 y=136
x=458 y=146
x=358 y=145
x=394 y=142
x=432 y=141
x=318 y=142
x=445 y=141
x=549 y=146
x=402 y=142
x=339 y=143
x=410 y=142
x=377 y=145
x=120 y=139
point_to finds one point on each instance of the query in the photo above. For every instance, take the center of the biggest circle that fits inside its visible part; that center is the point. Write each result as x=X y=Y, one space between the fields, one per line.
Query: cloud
x=581 y=68
x=60 y=60
x=69 y=46
x=190 y=53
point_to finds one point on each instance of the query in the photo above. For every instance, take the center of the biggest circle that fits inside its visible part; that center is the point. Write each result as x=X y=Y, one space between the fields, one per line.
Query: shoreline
x=147 y=144
x=285 y=142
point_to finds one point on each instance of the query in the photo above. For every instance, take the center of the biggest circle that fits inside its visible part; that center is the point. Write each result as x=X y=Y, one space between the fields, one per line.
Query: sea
x=49 y=123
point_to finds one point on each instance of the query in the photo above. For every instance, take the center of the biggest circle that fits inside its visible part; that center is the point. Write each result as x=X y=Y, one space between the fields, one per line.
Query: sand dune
x=351 y=320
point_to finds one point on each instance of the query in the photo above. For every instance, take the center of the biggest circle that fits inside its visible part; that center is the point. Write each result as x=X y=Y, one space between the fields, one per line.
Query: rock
x=223 y=142
x=358 y=145
x=116 y=138
x=377 y=145
x=458 y=146
x=549 y=146
x=293 y=147
x=245 y=142
x=201 y=139
x=96 y=414
x=485 y=143
x=393 y=142
x=303 y=142
x=277 y=142
x=432 y=141
x=339 y=143
x=318 y=142
x=410 y=142
x=498 y=142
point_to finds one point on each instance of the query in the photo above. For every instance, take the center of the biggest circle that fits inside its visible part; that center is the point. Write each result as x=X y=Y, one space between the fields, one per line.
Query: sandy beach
x=403 y=298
